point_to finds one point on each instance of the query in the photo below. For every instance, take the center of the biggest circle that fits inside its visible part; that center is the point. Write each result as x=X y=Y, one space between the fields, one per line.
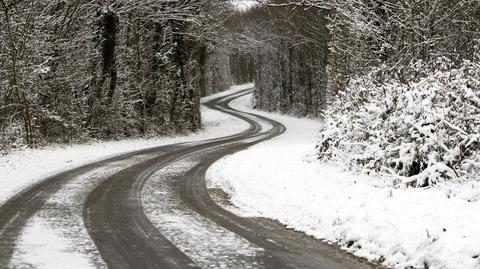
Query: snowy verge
x=281 y=179
x=22 y=168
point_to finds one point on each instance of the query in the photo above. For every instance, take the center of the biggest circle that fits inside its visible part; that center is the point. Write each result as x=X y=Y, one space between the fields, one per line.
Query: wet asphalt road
x=115 y=218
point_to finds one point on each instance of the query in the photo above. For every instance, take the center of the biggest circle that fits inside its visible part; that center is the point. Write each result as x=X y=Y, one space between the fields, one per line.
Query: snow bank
x=22 y=168
x=419 y=133
x=403 y=227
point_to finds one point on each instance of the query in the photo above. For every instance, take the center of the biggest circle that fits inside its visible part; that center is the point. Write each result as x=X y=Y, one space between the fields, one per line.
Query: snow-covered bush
x=11 y=136
x=420 y=132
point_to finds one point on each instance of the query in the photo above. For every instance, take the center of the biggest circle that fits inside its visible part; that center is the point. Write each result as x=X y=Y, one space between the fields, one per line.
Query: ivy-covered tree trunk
x=104 y=77
x=109 y=41
x=202 y=64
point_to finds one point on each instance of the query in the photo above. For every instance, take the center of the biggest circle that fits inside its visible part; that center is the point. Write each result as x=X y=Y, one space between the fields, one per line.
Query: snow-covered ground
x=437 y=227
x=22 y=168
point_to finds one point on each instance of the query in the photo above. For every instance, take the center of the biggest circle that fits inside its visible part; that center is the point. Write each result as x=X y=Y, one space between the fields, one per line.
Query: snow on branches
x=420 y=132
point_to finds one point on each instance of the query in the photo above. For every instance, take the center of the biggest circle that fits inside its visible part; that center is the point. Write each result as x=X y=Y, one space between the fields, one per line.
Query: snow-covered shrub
x=420 y=132
x=11 y=136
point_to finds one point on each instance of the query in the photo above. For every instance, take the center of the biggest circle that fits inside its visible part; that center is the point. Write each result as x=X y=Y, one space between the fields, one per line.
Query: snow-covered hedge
x=420 y=132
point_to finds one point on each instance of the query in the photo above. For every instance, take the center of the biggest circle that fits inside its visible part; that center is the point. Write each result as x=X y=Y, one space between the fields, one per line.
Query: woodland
x=395 y=81
x=79 y=69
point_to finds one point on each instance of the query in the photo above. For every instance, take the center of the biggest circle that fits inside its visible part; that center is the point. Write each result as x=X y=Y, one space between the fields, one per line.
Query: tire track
x=18 y=210
x=115 y=217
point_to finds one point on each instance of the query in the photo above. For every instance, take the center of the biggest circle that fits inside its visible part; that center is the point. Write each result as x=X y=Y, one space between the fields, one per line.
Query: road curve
x=125 y=237
x=114 y=214
x=18 y=210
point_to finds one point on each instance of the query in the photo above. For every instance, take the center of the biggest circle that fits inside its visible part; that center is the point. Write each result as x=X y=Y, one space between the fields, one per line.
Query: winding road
x=117 y=200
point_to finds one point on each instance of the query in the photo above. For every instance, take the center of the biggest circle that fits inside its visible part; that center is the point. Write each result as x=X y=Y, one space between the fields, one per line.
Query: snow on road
x=56 y=237
x=50 y=250
x=50 y=240
x=22 y=168
x=281 y=179
x=209 y=245
x=404 y=227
